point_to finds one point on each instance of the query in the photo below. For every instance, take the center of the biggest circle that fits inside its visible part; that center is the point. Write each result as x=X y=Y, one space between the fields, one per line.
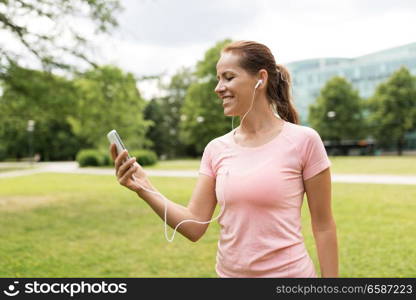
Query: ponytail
x=282 y=99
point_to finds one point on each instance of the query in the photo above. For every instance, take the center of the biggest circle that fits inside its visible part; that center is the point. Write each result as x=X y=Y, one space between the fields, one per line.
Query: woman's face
x=235 y=86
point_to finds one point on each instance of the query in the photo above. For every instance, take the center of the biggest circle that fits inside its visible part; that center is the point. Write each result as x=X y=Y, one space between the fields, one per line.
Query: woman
x=258 y=173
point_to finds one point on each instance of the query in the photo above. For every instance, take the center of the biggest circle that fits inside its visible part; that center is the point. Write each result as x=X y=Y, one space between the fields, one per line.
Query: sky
x=160 y=36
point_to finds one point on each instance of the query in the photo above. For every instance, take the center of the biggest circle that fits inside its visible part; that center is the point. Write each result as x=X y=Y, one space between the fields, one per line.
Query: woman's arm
x=318 y=191
x=201 y=206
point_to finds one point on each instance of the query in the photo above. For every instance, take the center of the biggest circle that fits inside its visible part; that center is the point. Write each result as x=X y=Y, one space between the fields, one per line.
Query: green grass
x=405 y=165
x=10 y=169
x=83 y=226
x=68 y=225
x=375 y=226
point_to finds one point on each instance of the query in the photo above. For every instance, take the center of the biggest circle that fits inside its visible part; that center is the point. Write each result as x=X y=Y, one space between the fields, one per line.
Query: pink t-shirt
x=260 y=190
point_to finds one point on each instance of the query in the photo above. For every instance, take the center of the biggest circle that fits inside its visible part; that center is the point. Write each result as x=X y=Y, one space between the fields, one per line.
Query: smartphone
x=114 y=138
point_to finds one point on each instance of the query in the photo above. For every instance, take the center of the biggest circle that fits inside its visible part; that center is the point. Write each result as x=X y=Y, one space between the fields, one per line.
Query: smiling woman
x=258 y=173
x=236 y=70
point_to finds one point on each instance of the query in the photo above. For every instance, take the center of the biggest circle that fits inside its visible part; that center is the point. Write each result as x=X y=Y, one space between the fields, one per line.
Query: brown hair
x=256 y=56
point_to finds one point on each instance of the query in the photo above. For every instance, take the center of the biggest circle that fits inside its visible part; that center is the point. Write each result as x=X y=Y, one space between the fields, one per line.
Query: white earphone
x=258 y=84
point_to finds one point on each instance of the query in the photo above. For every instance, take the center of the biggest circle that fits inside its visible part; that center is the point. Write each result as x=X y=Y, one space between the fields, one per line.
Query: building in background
x=364 y=72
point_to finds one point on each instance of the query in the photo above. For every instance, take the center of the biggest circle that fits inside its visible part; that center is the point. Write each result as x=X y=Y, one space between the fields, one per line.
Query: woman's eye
x=229 y=78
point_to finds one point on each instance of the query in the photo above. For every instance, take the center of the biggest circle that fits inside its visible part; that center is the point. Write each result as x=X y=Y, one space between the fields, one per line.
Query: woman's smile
x=226 y=100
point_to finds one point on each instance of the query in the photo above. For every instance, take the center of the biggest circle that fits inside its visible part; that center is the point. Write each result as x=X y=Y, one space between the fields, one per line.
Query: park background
x=70 y=71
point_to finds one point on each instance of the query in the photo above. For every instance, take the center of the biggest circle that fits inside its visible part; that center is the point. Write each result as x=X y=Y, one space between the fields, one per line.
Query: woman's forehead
x=228 y=61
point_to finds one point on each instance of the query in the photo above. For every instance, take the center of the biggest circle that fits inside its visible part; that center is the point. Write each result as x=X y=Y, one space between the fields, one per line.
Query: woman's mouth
x=226 y=100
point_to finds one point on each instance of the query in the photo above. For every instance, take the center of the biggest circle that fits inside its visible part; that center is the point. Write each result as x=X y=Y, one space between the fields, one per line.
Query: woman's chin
x=229 y=112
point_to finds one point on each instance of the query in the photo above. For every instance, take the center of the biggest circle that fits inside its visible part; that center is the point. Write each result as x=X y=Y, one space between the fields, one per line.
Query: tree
x=393 y=109
x=45 y=98
x=165 y=113
x=202 y=116
x=337 y=113
x=157 y=132
x=59 y=36
x=107 y=98
x=69 y=114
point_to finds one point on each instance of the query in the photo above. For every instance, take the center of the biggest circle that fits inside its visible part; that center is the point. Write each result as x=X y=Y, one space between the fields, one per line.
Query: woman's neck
x=258 y=121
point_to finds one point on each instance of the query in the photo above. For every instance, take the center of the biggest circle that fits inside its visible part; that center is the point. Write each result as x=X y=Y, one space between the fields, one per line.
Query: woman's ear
x=263 y=76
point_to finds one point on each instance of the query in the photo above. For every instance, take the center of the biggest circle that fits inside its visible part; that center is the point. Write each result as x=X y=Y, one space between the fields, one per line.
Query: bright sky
x=160 y=36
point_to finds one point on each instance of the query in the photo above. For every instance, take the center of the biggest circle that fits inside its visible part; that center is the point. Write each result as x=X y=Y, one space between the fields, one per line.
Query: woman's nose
x=219 y=88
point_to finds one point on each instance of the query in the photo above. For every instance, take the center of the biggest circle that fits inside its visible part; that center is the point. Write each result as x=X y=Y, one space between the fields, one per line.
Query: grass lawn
x=405 y=165
x=9 y=169
x=68 y=225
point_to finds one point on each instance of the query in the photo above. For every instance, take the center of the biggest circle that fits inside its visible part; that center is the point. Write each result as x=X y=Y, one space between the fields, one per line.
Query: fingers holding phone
x=129 y=173
x=120 y=158
x=125 y=166
x=125 y=173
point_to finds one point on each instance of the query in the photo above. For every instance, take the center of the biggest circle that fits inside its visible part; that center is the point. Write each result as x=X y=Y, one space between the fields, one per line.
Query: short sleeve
x=314 y=157
x=206 y=162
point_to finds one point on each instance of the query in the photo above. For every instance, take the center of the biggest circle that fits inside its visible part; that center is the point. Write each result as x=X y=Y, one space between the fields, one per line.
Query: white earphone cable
x=191 y=220
x=251 y=106
x=183 y=221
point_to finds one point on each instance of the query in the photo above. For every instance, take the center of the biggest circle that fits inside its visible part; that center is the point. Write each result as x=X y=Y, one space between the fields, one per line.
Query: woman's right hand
x=128 y=172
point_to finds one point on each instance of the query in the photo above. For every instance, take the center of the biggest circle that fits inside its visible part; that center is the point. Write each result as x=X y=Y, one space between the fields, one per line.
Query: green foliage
x=144 y=157
x=94 y=158
x=108 y=99
x=157 y=132
x=19 y=18
x=69 y=114
x=90 y=157
x=55 y=141
x=203 y=116
x=165 y=114
x=37 y=95
x=106 y=158
x=3 y=152
x=45 y=98
x=393 y=108
x=98 y=158
x=337 y=113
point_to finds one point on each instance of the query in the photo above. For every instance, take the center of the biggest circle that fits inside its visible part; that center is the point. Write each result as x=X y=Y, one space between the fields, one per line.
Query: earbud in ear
x=258 y=83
